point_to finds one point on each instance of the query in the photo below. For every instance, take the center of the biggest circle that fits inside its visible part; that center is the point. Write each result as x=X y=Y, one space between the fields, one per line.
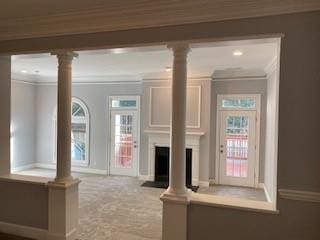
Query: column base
x=63 y=205
x=175 y=215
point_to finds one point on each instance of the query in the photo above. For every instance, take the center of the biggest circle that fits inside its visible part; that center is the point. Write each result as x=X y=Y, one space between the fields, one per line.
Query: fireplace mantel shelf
x=168 y=132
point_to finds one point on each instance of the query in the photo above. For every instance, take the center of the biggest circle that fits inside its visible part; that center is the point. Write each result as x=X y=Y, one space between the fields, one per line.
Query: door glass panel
x=123 y=141
x=237 y=129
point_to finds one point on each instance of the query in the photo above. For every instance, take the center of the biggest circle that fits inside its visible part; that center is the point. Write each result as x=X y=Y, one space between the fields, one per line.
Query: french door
x=124 y=142
x=237 y=147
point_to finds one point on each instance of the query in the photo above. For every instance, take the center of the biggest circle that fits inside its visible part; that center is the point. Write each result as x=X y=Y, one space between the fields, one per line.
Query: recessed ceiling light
x=24 y=71
x=168 y=69
x=237 y=53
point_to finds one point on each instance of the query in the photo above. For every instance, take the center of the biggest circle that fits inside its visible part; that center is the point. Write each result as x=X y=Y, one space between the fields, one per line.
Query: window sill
x=233 y=203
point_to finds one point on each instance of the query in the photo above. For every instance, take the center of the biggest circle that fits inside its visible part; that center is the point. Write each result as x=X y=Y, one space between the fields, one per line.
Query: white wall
x=23 y=123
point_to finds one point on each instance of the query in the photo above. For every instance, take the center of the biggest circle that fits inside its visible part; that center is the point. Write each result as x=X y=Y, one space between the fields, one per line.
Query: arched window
x=79 y=133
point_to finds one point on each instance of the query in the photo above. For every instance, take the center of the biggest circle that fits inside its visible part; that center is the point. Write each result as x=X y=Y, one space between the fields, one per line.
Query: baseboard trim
x=23 y=168
x=212 y=181
x=305 y=196
x=23 y=231
x=74 y=169
x=204 y=184
x=72 y=235
x=146 y=177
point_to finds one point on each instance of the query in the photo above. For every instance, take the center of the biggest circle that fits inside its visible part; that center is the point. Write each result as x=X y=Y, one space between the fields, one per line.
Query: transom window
x=244 y=103
x=79 y=133
x=123 y=102
x=238 y=102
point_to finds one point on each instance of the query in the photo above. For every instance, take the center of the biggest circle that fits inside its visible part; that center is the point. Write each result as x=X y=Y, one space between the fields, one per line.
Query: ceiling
x=136 y=64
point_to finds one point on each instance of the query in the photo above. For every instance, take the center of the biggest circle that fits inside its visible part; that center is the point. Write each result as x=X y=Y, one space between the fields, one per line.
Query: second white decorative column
x=176 y=197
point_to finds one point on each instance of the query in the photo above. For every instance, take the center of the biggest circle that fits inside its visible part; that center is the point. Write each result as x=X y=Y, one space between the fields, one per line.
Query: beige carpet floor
x=115 y=208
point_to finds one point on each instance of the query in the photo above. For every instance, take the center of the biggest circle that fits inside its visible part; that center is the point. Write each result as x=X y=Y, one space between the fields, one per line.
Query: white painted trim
x=109 y=137
x=151 y=125
x=73 y=169
x=204 y=183
x=156 y=139
x=190 y=79
x=305 y=196
x=52 y=83
x=23 y=231
x=168 y=132
x=212 y=181
x=258 y=78
x=257 y=97
x=23 y=168
x=232 y=203
x=146 y=178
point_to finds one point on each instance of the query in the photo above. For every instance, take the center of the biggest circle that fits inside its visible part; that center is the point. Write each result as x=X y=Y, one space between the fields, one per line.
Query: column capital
x=65 y=55
x=179 y=48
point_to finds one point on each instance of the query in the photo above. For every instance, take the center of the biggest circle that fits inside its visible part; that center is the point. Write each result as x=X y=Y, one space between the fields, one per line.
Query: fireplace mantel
x=162 y=139
x=168 y=132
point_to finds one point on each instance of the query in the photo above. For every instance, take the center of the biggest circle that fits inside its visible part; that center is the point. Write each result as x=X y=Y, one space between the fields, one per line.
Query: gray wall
x=96 y=97
x=204 y=123
x=23 y=123
x=5 y=80
x=239 y=87
x=24 y=203
x=299 y=128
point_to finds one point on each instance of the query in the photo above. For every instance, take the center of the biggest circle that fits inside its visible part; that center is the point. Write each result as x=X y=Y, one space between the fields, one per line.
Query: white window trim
x=82 y=104
x=257 y=108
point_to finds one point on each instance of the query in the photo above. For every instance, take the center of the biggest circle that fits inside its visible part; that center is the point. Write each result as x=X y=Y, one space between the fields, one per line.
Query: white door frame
x=257 y=98
x=109 y=137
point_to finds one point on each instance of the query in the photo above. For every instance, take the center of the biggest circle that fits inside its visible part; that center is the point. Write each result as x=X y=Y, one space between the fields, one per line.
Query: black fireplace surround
x=162 y=163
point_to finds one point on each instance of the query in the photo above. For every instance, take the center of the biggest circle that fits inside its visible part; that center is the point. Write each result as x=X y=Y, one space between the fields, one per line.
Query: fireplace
x=162 y=139
x=162 y=163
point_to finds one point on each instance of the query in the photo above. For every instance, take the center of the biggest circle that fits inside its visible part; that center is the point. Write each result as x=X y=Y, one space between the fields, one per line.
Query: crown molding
x=133 y=14
x=168 y=79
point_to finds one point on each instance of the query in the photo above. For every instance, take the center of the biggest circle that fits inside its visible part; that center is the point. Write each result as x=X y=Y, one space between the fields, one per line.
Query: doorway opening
x=124 y=135
x=238 y=118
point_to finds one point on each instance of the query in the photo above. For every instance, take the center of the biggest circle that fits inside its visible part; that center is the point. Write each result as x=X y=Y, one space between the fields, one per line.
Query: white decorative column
x=176 y=198
x=63 y=191
x=64 y=116
x=5 y=114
